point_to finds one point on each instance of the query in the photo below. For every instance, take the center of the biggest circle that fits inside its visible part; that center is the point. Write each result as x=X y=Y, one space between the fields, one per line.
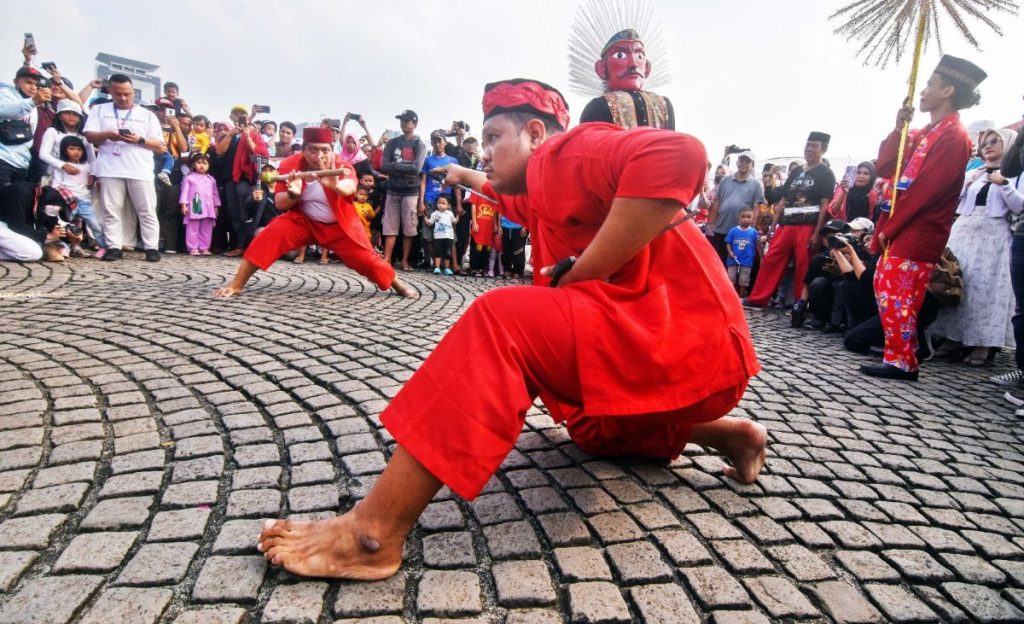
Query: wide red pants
x=789 y=240
x=900 y=287
x=511 y=346
x=293 y=229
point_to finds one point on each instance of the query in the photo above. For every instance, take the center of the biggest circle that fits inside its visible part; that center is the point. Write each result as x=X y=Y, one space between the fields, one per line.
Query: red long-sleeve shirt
x=919 y=226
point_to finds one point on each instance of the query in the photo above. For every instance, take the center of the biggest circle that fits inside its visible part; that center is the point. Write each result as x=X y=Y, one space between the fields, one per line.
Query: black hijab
x=857 y=204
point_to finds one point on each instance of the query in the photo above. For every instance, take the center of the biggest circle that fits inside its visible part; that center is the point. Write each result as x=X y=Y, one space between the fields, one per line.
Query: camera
x=839 y=241
x=355 y=116
x=733 y=149
x=44 y=83
x=49 y=66
x=73 y=229
x=243 y=120
x=261 y=108
x=105 y=87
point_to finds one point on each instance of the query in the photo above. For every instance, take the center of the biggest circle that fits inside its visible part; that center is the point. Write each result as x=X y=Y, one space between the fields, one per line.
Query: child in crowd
x=444 y=234
x=199 y=202
x=259 y=208
x=363 y=207
x=374 y=198
x=483 y=231
x=73 y=179
x=742 y=248
x=199 y=138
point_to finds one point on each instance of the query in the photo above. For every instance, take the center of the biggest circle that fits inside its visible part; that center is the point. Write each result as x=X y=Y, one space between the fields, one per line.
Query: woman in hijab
x=851 y=203
x=980 y=239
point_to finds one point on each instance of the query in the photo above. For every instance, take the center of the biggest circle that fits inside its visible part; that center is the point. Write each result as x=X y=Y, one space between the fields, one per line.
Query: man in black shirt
x=798 y=218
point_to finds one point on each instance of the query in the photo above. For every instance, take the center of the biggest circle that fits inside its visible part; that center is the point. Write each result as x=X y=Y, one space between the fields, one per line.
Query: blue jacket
x=12 y=108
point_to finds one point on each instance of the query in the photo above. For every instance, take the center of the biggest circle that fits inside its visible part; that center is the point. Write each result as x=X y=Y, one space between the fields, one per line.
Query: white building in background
x=147 y=86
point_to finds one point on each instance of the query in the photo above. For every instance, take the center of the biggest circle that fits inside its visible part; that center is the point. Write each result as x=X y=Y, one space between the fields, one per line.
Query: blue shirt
x=743 y=243
x=433 y=188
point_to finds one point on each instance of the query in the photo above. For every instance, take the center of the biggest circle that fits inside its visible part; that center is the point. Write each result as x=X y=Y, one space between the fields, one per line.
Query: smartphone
x=30 y=42
x=355 y=116
x=124 y=131
x=261 y=108
x=49 y=66
x=850 y=175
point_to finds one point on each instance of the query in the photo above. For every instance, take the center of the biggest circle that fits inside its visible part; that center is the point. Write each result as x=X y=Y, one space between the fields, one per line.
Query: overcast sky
x=756 y=73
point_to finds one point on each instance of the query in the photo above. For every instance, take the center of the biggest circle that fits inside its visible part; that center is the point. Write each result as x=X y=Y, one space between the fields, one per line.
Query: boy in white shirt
x=444 y=234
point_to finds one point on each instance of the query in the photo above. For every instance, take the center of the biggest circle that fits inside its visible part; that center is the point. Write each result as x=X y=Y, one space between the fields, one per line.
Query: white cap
x=67 y=105
x=747 y=154
x=862 y=223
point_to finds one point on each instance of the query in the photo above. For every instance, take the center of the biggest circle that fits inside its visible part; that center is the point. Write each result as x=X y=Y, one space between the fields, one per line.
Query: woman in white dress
x=980 y=239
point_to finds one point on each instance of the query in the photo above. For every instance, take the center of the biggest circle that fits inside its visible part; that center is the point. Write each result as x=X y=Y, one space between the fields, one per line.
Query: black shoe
x=152 y=255
x=829 y=328
x=798 y=313
x=113 y=254
x=816 y=324
x=876 y=350
x=887 y=371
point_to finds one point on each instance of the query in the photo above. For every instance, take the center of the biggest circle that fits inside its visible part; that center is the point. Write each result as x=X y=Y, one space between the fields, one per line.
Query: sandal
x=977 y=357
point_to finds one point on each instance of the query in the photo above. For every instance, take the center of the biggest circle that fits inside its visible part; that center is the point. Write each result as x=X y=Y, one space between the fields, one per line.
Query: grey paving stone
x=638 y=562
x=802 y=564
x=683 y=548
x=449 y=550
x=95 y=552
x=440 y=516
x=158 y=564
x=313 y=498
x=118 y=513
x=295 y=604
x=212 y=615
x=361 y=599
x=254 y=503
x=198 y=469
x=83 y=472
x=235 y=579
x=562 y=529
x=238 y=537
x=34 y=602
x=917 y=565
x=845 y=604
x=128 y=604
x=134 y=462
x=311 y=473
x=982 y=603
x=495 y=508
x=742 y=557
x=253 y=478
x=190 y=494
x=597 y=601
x=523 y=584
x=56 y=498
x=615 y=527
x=663 y=604
x=132 y=484
x=449 y=593
x=973 y=569
x=715 y=588
x=511 y=540
x=581 y=563
x=899 y=605
x=179 y=524
x=13 y=564
x=32 y=532
x=779 y=597
x=867 y=566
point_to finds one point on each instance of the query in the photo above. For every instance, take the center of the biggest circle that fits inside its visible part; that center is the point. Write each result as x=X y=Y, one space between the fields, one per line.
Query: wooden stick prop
x=347 y=187
x=883 y=26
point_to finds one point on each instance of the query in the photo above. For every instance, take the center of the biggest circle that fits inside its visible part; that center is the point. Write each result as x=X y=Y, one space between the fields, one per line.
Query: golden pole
x=909 y=102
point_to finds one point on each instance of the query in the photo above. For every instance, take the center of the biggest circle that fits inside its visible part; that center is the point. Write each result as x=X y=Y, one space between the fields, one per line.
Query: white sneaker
x=1014 y=397
x=1019 y=414
x=1013 y=379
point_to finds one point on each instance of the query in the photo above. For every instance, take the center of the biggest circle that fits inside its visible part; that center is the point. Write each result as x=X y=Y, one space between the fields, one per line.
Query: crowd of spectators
x=98 y=173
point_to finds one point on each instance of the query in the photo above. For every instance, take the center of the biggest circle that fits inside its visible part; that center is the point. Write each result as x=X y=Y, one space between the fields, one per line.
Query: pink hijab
x=353 y=156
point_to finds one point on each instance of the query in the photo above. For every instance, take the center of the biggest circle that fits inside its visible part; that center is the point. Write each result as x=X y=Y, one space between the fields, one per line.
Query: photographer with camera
x=845 y=259
x=239 y=148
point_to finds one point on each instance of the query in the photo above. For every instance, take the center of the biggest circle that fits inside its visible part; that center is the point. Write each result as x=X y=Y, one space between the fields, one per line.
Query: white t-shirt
x=313 y=203
x=444 y=224
x=78 y=183
x=117 y=159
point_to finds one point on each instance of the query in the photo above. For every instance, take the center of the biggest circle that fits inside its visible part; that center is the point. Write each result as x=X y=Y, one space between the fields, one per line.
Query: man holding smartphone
x=126 y=136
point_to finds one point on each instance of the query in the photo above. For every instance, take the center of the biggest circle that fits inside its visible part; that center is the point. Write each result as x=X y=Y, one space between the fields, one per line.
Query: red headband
x=312 y=134
x=531 y=96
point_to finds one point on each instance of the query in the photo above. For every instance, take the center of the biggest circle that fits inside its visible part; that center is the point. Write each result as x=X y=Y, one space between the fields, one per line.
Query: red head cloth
x=317 y=135
x=529 y=96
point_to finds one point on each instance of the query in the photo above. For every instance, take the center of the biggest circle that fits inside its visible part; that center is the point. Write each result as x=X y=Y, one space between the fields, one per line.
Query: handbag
x=15 y=132
x=947 y=280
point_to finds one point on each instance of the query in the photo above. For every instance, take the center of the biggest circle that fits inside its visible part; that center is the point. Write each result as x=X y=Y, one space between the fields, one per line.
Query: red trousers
x=900 y=286
x=520 y=345
x=789 y=240
x=293 y=229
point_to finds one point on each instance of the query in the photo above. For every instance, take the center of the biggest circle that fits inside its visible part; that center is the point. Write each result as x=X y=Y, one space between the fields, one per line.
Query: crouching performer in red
x=640 y=348
x=319 y=211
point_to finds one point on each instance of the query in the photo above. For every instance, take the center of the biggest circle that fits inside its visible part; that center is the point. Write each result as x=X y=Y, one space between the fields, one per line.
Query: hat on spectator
x=521 y=95
x=408 y=115
x=164 y=103
x=68 y=106
x=836 y=226
x=312 y=134
x=748 y=155
x=862 y=224
x=438 y=135
x=239 y=108
x=821 y=137
x=27 y=72
x=148 y=105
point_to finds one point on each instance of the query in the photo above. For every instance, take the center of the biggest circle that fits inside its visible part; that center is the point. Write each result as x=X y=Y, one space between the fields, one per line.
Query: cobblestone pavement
x=145 y=430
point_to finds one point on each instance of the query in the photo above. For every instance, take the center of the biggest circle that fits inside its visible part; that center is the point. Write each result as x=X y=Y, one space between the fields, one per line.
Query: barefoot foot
x=227 y=292
x=404 y=289
x=746 y=447
x=338 y=547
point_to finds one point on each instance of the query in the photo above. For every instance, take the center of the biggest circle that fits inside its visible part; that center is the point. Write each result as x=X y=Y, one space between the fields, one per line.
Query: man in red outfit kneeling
x=639 y=348
x=319 y=211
